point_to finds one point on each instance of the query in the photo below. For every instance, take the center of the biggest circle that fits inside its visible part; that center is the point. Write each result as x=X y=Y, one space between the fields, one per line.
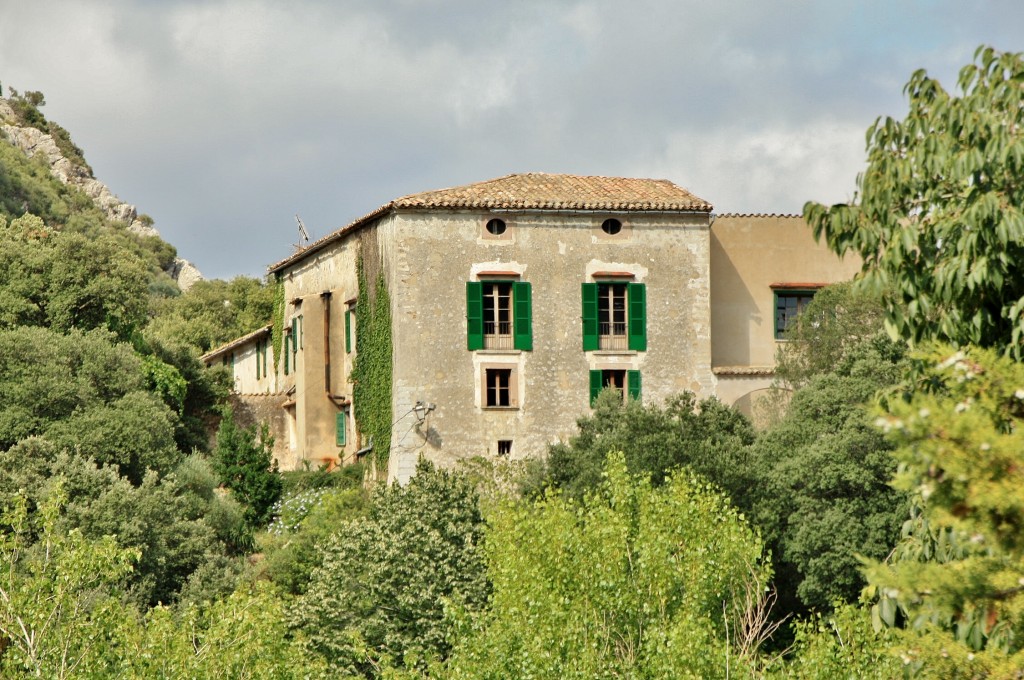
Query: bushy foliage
x=173 y=528
x=303 y=520
x=938 y=218
x=62 y=279
x=634 y=581
x=831 y=332
x=841 y=644
x=244 y=461
x=87 y=395
x=62 y=615
x=706 y=436
x=822 y=494
x=380 y=595
x=57 y=596
x=212 y=312
x=955 y=579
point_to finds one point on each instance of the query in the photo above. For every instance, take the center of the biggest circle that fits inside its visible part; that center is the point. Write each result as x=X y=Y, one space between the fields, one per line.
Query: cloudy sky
x=223 y=118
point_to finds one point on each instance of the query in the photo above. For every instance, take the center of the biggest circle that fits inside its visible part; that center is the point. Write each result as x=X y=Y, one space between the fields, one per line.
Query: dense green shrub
x=244 y=461
x=634 y=581
x=385 y=580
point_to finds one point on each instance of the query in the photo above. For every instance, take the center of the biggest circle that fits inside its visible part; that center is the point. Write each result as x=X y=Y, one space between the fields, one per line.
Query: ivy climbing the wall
x=372 y=370
x=277 y=331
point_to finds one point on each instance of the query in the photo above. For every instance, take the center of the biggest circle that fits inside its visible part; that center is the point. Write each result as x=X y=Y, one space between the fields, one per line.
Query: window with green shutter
x=340 y=425
x=499 y=315
x=596 y=385
x=474 y=315
x=348 y=331
x=622 y=381
x=590 y=325
x=286 y=353
x=636 y=293
x=259 y=351
x=523 y=324
x=633 y=384
x=614 y=316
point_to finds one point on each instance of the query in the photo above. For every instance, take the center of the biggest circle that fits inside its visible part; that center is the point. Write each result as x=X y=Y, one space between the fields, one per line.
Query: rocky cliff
x=33 y=142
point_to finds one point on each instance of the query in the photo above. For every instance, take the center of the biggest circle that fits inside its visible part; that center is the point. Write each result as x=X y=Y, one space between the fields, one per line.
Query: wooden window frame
x=781 y=320
x=512 y=387
x=596 y=314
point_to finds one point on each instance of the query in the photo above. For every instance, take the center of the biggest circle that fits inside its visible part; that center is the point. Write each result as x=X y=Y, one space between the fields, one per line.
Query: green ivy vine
x=372 y=370
x=277 y=331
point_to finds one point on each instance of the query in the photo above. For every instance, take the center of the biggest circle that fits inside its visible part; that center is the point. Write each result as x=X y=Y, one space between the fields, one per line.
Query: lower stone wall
x=253 y=409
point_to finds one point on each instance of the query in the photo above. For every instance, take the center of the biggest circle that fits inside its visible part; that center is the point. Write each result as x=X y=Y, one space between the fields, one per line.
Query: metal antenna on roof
x=303 y=234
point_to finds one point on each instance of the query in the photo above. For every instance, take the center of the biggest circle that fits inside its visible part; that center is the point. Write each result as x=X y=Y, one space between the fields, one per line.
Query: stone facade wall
x=436 y=253
x=254 y=409
x=318 y=396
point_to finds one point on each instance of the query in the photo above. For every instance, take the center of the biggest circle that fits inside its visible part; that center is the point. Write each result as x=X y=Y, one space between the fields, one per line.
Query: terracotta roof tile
x=541 y=191
x=533 y=191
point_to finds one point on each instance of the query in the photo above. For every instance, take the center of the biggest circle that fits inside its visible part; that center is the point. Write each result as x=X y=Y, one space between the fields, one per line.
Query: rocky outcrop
x=35 y=142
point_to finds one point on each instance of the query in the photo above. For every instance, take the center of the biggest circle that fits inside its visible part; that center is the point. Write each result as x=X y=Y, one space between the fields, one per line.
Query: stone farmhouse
x=513 y=302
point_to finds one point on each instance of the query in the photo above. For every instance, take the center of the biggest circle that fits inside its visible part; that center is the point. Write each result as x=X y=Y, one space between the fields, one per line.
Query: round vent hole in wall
x=611 y=226
x=495 y=226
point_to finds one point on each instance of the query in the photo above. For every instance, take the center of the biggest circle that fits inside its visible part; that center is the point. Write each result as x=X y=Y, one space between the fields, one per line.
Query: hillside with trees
x=874 y=528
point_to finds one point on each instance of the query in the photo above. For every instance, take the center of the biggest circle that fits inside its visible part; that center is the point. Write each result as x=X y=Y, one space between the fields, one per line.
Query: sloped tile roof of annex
x=532 y=191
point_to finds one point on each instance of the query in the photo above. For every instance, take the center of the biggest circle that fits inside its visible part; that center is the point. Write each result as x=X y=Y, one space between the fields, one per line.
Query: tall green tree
x=705 y=435
x=633 y=581
x=380 y=595
x=938 y=216
x=956 y=581
x=244 y=460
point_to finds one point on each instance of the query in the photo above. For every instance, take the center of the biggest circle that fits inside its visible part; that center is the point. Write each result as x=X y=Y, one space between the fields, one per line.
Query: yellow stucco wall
x=750 y=254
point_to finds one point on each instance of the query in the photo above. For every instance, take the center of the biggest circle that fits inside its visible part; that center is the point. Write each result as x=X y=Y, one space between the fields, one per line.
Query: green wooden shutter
x=339 y=428
x=286 y=353
x=523 y=313
x=596 y=384
x=637 y=300
x=348 y=332
x=259 y=350
x=590 y=330
x=633 y=384
x=474 y=315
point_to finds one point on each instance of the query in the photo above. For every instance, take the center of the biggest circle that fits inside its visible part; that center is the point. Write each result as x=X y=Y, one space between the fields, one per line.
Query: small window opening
x=504 y=447
x=495 y=226
x=614 y=380
x=611 y=226
x=499 y=381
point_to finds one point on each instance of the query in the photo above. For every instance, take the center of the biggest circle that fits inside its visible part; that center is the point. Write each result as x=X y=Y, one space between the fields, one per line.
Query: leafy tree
x=955 y=580
x=57 y=596
x=939 y=216
x=633 y=581
x=841 y=644
x=821 y=494
x=175 y=528
x=61 y=615
x=212 y=312
x=706 y=436
x=46 y=377
x=205 y=389
x=62 y=279
x=380 y=595
x=244 y=460
x=305 y=516
x=835 y=323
